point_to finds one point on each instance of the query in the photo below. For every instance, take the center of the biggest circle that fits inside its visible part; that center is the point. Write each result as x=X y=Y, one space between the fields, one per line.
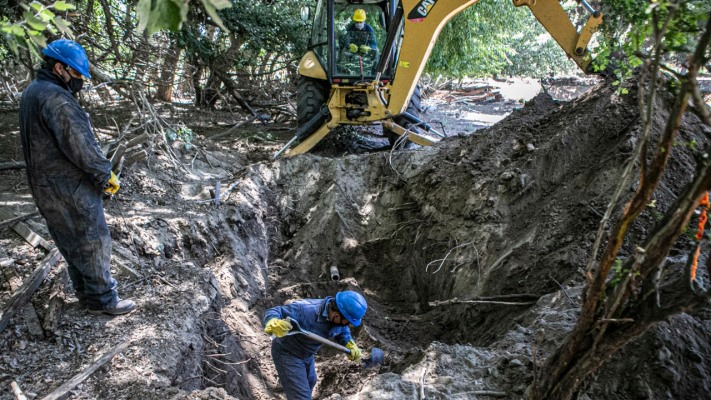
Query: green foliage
x=656 y=214
x=494 y=37
x=157 y=15
x=211 y=7
x=256 y=31
x=629 y=25
x=620 y=273
x=38 y=20
x=182 y=133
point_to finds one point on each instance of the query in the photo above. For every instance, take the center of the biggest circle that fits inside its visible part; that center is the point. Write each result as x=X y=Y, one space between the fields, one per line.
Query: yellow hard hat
x=359 y=15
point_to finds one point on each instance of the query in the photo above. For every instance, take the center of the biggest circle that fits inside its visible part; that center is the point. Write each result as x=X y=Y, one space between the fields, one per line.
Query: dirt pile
x=470 y=253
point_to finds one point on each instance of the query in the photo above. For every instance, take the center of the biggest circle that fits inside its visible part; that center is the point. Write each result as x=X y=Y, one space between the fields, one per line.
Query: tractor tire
x=414 y=109
x=311 y=95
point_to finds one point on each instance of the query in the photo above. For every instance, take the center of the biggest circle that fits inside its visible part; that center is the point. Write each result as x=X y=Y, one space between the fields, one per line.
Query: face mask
x=75 y=85
x=360 y=25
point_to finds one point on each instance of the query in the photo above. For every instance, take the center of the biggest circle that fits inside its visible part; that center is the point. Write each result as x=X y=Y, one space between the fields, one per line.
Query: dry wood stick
x=489 y=393
x=13 y=165
x=62 y=391
x=140 y=139
x=232 y=129
x=13 y=221
x=501 y=303
x=17 y=391
x=27 y=311
x=118 y=154
x=28 y=234
x=119 y=167
x=135 y=157
x=491 y=300
x=28 y=288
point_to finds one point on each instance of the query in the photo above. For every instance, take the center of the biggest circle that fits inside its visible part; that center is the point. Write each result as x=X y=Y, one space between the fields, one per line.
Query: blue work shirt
x=312 y=315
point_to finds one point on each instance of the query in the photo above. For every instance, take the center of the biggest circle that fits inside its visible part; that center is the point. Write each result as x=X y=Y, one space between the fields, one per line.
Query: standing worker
x=293 y=355
x=67 y=174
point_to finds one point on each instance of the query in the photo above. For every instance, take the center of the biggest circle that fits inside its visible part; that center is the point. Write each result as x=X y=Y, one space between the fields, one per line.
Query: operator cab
x=348 y=39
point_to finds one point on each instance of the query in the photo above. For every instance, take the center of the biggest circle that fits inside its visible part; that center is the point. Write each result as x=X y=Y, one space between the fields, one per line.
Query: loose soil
x=509 y=209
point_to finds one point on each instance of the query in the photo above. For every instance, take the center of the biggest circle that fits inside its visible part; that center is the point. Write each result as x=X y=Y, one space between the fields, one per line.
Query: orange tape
x=704 y=204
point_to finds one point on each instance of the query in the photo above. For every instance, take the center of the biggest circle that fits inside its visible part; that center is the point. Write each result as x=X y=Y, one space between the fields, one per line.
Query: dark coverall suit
x=66 y=172
x=294 y=355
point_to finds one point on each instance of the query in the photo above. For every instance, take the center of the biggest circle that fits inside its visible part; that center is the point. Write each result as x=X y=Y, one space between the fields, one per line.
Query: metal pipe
x=335 y=276
x=587 y=6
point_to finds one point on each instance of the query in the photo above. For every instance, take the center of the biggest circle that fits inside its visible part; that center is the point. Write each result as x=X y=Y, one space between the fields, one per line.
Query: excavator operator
x=360 y=37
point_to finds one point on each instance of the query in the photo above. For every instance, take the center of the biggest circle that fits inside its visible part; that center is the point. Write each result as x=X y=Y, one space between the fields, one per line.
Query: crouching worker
x=293 y=355
x=68 y=173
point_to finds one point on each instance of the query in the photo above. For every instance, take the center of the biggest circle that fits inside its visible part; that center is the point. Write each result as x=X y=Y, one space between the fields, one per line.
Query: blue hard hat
x=351 y=305
x=69 y=52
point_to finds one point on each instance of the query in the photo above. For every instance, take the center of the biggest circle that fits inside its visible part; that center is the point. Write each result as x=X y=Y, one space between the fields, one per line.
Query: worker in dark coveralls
x=68 y=173
x=293 y=355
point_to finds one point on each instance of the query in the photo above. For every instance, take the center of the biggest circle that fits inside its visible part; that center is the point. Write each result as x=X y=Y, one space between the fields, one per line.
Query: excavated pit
x=508 y=213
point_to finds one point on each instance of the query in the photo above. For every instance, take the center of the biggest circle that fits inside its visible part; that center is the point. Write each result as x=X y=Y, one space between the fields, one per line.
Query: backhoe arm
x=424 y=20
x=421 y=22
x=552 y=16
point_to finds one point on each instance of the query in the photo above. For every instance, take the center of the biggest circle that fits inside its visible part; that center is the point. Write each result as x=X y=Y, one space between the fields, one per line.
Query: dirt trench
x=508 y=211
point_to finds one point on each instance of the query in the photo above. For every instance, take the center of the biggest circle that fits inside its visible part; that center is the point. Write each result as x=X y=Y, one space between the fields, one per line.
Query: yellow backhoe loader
x=343 y=82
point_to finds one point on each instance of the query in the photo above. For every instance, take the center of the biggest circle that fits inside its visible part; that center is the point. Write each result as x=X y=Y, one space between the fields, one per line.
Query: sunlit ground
x=466 y=110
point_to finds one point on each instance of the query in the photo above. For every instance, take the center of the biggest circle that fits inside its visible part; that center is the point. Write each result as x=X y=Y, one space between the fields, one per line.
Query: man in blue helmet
x=293 y=355
x=67 y=174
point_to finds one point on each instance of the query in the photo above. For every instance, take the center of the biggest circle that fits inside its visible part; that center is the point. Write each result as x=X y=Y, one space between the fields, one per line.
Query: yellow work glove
x=278 y=327
x=113 y=185
x=364 y=49
x=354 y=355
x=353 y=48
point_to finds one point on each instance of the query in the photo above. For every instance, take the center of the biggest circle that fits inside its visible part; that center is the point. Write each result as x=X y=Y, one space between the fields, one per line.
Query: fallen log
x=29 y=287
x=13 y=221
x=62 y=391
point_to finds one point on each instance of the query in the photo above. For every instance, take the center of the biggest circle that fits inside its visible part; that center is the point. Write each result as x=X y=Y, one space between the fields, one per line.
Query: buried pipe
x=335 y=275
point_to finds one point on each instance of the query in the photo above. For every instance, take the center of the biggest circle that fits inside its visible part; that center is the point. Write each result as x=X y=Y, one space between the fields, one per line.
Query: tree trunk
x=164 y=89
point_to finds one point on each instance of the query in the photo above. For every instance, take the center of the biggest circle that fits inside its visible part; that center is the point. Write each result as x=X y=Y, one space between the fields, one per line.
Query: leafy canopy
x=494 y=37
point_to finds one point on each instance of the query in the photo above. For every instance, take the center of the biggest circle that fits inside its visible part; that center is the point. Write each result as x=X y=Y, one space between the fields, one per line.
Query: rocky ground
x=503 y=210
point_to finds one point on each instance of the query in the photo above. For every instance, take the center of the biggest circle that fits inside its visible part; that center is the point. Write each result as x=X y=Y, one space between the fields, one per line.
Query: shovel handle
x=325 y=341
x=296 y=329
x=376 y=355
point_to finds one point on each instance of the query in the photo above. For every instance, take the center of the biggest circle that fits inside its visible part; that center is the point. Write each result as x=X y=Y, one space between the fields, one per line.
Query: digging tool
x=376 y=355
